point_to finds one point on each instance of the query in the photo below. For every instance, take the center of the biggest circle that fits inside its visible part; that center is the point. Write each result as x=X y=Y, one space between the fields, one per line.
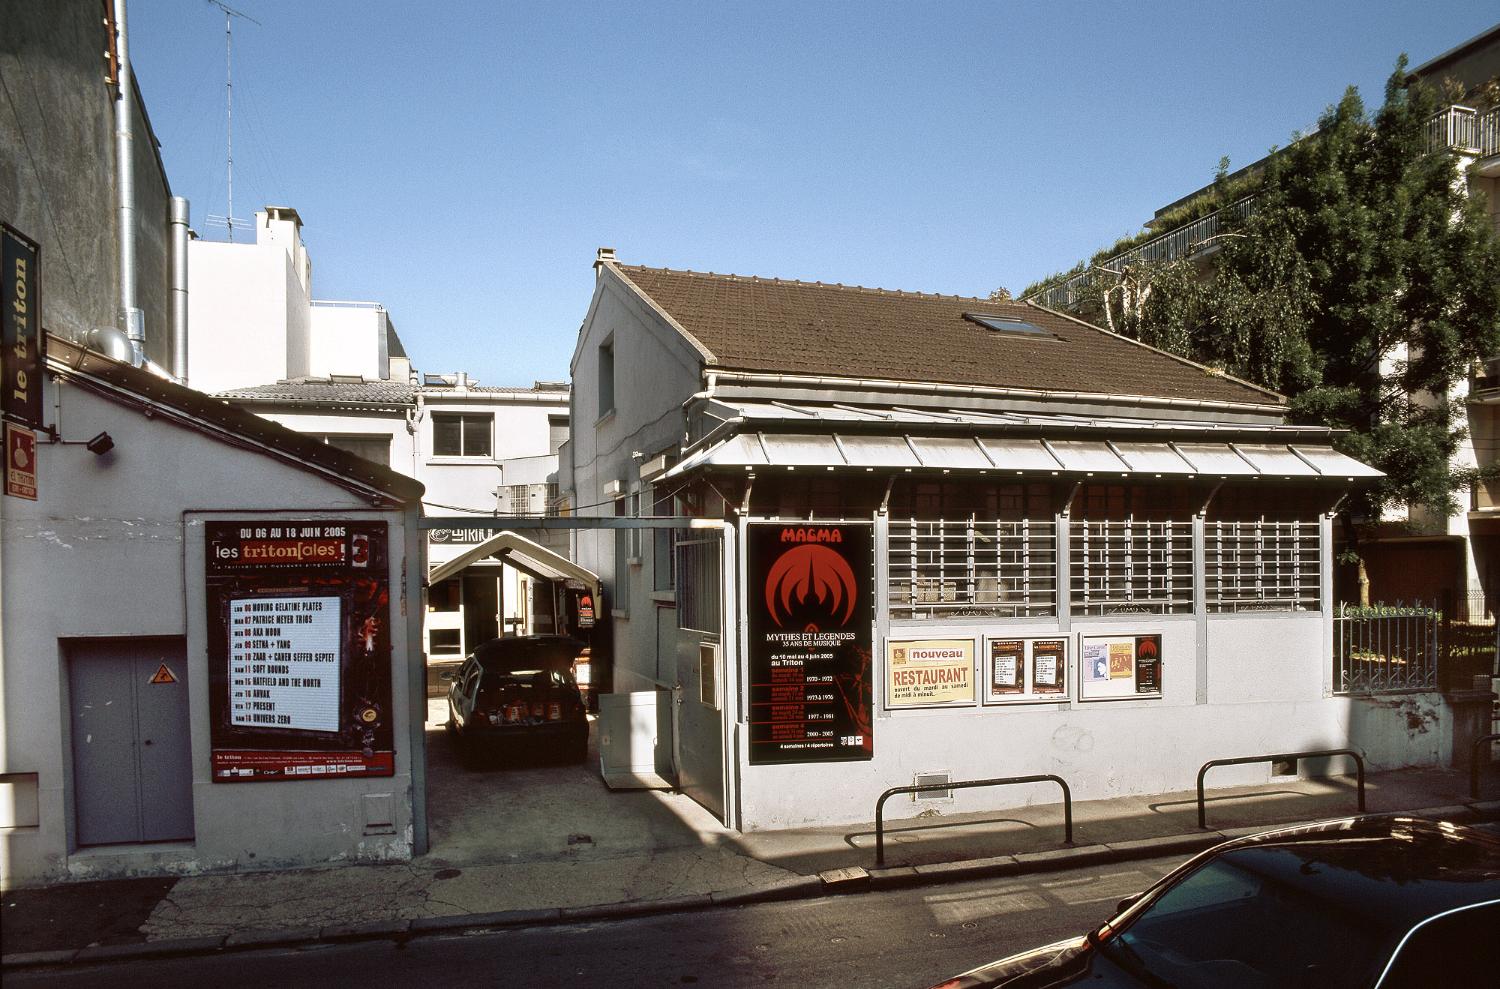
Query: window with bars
x=698 y=581
x=958 y=550
x=1260 y=557
x=1131 y=551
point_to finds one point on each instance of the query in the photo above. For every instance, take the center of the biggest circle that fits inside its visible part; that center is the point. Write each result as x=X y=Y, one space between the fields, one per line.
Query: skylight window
x=1006 y=324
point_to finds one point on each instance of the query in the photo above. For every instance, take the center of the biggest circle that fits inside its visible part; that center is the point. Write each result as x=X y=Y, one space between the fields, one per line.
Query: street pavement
x=533 y=842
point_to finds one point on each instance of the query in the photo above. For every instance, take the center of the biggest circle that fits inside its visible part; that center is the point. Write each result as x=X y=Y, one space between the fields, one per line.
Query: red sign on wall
x=20 y=462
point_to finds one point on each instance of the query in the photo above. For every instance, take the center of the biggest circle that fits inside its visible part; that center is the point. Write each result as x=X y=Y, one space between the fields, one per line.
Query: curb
x=846 y=881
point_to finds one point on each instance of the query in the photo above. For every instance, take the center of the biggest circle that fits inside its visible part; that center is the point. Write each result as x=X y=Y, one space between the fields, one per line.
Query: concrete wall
x=114 y=547
x=57 y=171
x=242 y=310
x=656 y=370
x=348 y=339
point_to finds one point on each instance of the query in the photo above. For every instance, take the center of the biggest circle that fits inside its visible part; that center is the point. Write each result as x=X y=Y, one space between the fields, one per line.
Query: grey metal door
x=132 y=748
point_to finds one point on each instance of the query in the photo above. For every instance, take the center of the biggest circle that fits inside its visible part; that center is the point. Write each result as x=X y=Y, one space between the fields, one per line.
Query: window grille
x=972 y=567
x=1131 y=566
x=698 y=582
x=1262 y=565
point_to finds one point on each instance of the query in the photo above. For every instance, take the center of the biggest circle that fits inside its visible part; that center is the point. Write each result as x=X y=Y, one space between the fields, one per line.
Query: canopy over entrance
x=526 y=556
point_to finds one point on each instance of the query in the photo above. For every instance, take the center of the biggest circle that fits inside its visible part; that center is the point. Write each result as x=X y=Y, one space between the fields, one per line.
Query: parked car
x=517 y=692
x=1388 y=902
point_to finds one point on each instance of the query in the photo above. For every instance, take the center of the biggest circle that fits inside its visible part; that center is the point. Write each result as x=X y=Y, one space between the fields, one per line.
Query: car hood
x=1050 y=965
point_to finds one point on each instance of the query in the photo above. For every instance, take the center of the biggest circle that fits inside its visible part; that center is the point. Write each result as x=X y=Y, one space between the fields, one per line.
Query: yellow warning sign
x=163 y=675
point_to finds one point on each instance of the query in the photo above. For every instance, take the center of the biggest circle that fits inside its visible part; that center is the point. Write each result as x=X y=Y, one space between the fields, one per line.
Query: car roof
x=1393 y=871
x=516 y=652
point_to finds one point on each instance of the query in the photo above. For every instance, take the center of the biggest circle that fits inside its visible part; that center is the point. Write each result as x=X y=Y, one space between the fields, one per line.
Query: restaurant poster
x=299 y=650
x=1114 y=667
x=809 y=601
x=1020 y=669
x=929 y=672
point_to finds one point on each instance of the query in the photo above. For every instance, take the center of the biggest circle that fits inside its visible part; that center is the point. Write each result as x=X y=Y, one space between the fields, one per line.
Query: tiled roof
x=811 y=328
x=323 y=391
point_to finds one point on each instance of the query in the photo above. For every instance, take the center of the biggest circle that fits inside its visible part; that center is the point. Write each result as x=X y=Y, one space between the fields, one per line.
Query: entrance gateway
x=672 y=734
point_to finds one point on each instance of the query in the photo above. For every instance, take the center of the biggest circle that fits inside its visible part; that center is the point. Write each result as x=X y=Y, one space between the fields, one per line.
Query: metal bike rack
x=965 y=785
x=1359 y=763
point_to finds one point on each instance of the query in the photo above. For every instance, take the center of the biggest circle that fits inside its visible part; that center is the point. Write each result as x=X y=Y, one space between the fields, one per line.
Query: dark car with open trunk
x=519 y=693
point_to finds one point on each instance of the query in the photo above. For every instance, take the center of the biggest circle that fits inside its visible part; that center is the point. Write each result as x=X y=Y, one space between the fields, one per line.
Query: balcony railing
x=1458 y=128
x=1465 y=130
x=1181 y=242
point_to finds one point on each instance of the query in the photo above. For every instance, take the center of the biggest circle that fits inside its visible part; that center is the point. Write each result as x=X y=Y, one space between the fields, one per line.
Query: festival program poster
x=299 y=650
x=1049 y=664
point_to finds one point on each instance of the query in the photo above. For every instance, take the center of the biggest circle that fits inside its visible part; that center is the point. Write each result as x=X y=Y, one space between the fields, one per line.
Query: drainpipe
x=180 y=289
x=131 y=318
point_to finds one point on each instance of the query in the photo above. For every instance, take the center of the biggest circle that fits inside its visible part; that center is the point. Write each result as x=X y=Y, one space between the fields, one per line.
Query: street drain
x=447 y=873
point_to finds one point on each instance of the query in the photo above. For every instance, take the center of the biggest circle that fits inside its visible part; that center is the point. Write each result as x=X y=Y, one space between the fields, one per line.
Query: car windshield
x=1227 y=927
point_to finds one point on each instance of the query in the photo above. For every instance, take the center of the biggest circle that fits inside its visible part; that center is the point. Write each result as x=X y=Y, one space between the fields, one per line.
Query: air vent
x=932 y=779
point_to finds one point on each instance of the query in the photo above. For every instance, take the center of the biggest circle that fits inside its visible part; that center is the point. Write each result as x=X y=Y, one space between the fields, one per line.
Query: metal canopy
x=782 y=435
x=521 y=553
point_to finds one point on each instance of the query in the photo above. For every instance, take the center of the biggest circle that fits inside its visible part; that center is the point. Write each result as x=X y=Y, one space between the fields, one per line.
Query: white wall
x=244 y=304
x=114 y=547
x=348 y=339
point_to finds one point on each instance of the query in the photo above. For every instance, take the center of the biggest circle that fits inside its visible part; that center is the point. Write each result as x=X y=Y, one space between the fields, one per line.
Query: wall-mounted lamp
x=101 y=444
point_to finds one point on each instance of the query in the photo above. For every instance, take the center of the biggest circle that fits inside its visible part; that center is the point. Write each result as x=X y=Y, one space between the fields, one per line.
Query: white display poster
x=284 y=662
x=929 y=672
x=1020 y=670
x=1118 y=667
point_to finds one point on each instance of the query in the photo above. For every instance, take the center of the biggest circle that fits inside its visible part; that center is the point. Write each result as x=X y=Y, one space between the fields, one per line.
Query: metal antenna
x=229 y=14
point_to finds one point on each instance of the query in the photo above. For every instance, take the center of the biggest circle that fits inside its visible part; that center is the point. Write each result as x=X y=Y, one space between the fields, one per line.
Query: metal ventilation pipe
x=131 y=318
x=180 y=289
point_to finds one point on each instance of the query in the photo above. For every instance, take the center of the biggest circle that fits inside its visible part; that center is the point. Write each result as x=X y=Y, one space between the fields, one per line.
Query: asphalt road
x=898 y=938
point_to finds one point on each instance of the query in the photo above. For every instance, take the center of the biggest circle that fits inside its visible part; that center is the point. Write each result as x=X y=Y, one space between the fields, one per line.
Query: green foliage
x=1363 y=287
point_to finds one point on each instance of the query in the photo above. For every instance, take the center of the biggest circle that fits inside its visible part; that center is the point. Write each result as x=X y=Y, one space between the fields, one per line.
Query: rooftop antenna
x=229 y=220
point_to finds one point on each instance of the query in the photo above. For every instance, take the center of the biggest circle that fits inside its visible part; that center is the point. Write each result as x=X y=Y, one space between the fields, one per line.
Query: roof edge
x=613 y=267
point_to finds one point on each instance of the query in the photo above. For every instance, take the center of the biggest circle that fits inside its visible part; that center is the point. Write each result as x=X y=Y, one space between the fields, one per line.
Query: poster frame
x=1027 y=697
x=891 y=641
x=1136 y=640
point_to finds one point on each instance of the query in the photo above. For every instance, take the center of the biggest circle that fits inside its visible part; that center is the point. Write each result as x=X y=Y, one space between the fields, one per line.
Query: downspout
x=131 y=319
x=180 y=289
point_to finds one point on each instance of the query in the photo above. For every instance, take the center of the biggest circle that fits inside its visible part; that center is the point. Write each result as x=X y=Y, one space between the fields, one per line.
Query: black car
x=1388 y=902
x=519 y=692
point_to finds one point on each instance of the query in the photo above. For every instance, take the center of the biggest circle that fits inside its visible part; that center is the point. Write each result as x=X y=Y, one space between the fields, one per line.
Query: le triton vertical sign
x=809 y=601
x=20 y=329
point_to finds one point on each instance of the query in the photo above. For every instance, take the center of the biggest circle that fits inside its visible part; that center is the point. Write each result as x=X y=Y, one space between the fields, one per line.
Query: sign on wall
x=1119 y=666
x=809 y=605
x=1019 y=669
x=20 y=462
x=929 y=672
x=299 y=650
x=20 y=329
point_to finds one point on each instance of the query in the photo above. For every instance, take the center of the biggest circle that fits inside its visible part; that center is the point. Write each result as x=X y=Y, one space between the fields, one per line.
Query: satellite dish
x=112 y=342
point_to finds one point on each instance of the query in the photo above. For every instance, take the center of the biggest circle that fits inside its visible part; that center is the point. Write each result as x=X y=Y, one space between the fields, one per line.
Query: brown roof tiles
x=776 y=326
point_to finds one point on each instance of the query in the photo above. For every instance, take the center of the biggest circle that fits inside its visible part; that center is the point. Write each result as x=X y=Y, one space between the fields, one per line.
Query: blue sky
x=461 y=162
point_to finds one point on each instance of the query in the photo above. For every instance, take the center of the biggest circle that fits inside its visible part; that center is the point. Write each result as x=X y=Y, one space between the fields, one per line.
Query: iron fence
x=1386 y=648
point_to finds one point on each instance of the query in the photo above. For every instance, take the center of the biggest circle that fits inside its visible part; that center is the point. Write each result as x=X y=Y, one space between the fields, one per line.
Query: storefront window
x=972 y=550
x=1263 y=553
x=1131 y=550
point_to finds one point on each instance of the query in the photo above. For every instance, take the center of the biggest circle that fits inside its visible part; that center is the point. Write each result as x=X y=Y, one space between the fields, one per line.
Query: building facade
x=946 y=538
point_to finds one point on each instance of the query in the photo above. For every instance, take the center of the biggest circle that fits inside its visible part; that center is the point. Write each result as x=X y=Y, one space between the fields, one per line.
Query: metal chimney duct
x=180 y=289
x=132 y=320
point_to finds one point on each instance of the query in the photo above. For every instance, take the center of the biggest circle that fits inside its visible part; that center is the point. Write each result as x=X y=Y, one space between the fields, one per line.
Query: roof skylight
x=1006 y=324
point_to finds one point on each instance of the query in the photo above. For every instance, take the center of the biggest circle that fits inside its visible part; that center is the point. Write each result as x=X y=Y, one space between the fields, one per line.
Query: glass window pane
x=477 y=436
x=447 y=435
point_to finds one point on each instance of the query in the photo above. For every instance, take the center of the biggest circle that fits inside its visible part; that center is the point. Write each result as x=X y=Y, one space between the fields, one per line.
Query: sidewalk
x=600 y=873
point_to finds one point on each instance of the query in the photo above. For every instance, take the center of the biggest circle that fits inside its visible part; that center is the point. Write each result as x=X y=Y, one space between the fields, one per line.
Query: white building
x=948 y=538
x=337 y=370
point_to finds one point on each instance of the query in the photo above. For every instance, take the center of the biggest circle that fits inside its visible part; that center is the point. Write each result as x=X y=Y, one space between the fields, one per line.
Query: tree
x=1363 y=287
